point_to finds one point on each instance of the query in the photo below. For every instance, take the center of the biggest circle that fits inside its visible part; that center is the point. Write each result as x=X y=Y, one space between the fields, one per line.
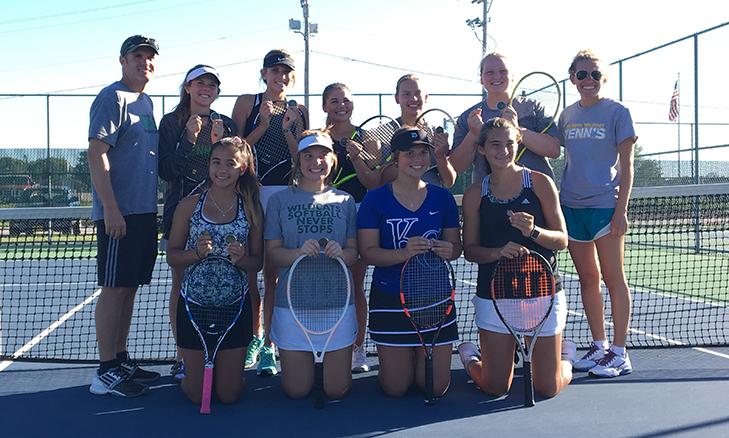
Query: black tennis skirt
x=238 y=336
x=389 y=326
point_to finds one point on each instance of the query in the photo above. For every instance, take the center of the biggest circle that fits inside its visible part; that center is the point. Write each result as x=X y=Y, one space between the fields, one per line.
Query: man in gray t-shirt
x=122 y=159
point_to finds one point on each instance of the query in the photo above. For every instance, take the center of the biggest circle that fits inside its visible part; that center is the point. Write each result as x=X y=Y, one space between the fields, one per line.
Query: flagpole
x=678 y=120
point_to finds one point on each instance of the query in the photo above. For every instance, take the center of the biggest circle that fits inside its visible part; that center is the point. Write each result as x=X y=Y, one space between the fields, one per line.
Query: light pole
x=309 y=29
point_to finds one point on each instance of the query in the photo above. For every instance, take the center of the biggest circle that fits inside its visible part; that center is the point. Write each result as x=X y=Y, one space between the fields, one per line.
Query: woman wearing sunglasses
x=598 y=137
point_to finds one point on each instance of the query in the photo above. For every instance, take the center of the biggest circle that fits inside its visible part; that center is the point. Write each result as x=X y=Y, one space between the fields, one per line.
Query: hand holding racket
x=427 y=295
x=291 y=116
x=439 y=127
x=522 y=290
x=540 y=91
x=205 y=134
x=214 y=291
x=318 y=291
x=204 y=245
x=371 y=142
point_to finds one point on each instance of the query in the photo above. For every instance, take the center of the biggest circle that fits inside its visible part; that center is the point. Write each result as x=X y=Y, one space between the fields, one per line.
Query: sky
x=72 y=47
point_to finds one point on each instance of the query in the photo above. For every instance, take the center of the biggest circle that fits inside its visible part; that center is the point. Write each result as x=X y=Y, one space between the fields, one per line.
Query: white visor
x=315 y=140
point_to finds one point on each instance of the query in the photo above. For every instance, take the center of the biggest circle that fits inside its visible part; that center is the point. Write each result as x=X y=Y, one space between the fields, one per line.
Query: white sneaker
x=612 y=365
x=359 y=360
x=569 y=351
x=468 y=352
x=590 y=359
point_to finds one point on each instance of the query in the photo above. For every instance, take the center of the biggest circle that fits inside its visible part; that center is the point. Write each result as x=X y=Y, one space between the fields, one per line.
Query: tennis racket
x=427 y=295
x=271 y=151
x=522 y=289
x=318 y=291
x=537 y=96
x=436 y=120
x=214 y=291
x=195 y=169
x=373 y=136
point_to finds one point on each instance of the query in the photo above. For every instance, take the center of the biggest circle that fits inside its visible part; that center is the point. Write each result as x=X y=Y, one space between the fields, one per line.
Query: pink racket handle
x=207 y=390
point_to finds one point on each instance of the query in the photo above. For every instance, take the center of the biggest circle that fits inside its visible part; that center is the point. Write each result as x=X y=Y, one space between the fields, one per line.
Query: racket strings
x=523 y=290
x=214 y=282
x=426 y=289
x=214 y=320
x=196 y=162
x=378 y=130
x=272 y=147
x=318 y=292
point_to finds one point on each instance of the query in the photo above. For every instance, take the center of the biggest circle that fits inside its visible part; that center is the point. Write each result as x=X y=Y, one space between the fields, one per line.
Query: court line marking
x=120 y=411
x=47 y=331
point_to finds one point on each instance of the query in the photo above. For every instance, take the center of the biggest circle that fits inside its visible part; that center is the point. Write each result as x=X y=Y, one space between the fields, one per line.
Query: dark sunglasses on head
x=582 y=74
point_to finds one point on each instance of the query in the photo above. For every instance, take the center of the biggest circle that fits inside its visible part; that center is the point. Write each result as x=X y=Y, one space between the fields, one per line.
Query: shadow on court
x=662 y=397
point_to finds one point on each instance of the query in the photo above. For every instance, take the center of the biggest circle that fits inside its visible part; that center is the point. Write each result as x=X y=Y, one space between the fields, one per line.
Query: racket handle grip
x=207 y=390
x=428 y=377
x=528 y=387
x=319 y=385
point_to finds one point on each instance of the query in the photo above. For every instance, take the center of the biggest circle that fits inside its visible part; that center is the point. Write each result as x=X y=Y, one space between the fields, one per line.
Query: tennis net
x=676 y=262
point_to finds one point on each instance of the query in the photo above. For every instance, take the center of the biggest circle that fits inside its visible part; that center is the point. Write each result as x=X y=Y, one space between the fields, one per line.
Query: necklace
x=220 y=210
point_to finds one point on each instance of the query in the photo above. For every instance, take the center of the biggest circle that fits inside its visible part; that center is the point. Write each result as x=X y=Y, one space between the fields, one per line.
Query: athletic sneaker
x=131 y=369
x=589 y=360
x=468 y=352
x=267 y=362
x=359 y=359
x=254 y=348
x=116 y=382
x=569 y=351
x=612 y=365
x=177 y=370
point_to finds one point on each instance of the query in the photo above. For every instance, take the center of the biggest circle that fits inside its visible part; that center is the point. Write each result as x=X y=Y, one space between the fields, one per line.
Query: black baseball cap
x=134 y=42
x=405 y=138
x=277 y=57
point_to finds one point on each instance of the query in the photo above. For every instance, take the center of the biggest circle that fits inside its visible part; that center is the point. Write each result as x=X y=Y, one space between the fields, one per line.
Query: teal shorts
x=587 y=224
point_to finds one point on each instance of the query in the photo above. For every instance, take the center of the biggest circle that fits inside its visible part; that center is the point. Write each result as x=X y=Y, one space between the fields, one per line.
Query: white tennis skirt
x=287 y=334
x=488 y=319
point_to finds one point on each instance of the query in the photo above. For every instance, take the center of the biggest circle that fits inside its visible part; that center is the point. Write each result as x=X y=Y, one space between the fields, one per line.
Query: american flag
x=673 y=111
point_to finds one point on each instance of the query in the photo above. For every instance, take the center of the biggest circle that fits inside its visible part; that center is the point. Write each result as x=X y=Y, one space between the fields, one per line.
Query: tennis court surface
x=677 y=263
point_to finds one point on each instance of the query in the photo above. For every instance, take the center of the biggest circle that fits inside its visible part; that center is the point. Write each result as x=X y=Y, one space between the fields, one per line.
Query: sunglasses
x=582 y=74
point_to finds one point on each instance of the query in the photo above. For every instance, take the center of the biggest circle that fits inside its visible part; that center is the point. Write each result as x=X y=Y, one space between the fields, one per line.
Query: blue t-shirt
x=531 y=116
x=124 y=119
x=381 y=211
x=591 y=137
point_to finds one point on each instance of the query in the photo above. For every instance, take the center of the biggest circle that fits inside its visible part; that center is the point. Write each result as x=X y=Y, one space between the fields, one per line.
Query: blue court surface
x=672 y=392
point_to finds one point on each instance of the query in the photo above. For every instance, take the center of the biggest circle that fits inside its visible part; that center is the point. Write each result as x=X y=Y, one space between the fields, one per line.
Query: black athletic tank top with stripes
x=345 y=167
x=496 y=231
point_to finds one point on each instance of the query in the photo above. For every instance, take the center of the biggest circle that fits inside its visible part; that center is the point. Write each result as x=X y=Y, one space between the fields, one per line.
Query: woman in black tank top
x=271 y=127
x=513 y=211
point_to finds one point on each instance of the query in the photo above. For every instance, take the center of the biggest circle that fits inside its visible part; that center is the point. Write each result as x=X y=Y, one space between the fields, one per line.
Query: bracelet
x=285 y=130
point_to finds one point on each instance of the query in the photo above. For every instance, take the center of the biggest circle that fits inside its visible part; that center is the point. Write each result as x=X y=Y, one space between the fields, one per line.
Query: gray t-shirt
x=531 y=116
x=124 y=120
x=591 y=137
x=294 y=216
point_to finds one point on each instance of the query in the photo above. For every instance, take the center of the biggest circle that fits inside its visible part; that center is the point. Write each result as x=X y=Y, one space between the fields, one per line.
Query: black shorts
x=129 y=261
x=388 y=324
x=239 y=336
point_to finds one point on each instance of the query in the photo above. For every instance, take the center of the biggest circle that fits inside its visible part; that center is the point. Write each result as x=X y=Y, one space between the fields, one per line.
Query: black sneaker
x=116 y=382
x=131 y=369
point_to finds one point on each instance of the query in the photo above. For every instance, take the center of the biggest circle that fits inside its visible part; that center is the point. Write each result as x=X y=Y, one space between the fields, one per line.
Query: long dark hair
x=248 y=185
